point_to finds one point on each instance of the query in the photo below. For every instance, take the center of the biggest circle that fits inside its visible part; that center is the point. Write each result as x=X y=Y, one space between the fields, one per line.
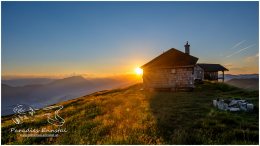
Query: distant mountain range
x=245 y=81
x=241 y=76
x=43 y=92
x=27 y=81
x=250 y=84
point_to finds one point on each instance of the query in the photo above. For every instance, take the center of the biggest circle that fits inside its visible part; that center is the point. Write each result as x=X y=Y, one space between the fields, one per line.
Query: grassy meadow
x=135 y=116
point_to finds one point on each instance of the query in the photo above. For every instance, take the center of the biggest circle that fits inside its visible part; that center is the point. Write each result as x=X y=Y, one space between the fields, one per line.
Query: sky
x=108 y=38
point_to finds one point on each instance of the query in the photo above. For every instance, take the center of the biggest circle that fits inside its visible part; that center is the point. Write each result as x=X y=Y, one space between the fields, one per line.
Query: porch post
x=223 y=76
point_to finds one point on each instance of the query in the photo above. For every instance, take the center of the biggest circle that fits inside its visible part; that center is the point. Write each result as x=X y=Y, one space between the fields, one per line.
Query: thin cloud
x=241 y=50
x=228 y=64
x=252 y=58
x=238 y=44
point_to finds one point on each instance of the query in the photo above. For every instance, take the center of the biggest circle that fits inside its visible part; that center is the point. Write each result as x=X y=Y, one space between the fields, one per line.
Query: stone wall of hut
x=198 y=73
x=169 y=78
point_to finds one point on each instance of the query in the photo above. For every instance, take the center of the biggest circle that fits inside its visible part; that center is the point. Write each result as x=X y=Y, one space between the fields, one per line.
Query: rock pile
x=233 y=105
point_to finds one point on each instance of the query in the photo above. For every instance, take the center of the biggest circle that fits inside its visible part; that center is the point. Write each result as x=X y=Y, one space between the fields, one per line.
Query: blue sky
x=115 y=37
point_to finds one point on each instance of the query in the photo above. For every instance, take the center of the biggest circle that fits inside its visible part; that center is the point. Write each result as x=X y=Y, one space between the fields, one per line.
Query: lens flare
x=138 y=71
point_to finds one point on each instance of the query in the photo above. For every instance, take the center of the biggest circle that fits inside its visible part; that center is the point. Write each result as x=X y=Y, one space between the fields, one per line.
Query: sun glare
x=138 y=71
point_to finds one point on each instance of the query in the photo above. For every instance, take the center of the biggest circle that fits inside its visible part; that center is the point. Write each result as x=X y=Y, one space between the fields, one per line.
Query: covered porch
x=211 y=72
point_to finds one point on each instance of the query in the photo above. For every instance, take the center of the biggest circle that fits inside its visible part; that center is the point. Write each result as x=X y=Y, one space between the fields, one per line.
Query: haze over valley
x=40 y=92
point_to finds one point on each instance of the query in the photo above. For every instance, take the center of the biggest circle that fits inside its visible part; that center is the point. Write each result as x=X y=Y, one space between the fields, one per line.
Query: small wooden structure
x=210 y=71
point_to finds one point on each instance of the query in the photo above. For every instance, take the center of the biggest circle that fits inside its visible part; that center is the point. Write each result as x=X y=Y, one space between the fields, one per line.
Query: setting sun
x=138 y=71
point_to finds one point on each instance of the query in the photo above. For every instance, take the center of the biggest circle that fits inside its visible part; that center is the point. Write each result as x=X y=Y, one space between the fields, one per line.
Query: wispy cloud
x=238 y=44
x=228 y=64
x=252 y=58
x=241 y=50
x=244 y=70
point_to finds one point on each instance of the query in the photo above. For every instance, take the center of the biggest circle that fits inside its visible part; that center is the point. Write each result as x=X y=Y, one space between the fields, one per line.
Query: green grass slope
x=134 y=116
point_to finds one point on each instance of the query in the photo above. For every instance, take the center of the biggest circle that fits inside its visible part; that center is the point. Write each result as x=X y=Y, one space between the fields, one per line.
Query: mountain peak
x=69 y=80
x=74 y=78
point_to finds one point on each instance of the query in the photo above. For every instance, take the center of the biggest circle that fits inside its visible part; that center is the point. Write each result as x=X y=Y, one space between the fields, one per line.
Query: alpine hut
x=173 y=70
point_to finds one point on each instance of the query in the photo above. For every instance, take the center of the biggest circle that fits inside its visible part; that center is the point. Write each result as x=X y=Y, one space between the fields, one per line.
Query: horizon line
x=9 y=77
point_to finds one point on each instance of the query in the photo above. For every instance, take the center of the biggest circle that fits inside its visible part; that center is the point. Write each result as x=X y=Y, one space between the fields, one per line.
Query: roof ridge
x=209 y=63
x=173 y=50
x=212 y=67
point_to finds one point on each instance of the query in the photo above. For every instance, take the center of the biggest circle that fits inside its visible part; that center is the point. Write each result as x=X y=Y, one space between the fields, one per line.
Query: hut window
x=173 y=71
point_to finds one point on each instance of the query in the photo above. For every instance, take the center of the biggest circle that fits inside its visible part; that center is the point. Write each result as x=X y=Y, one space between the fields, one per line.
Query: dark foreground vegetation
x=135 y=116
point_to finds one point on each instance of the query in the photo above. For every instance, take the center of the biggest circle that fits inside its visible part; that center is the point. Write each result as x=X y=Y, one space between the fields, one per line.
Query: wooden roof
x=171 y=58
x=212 y=67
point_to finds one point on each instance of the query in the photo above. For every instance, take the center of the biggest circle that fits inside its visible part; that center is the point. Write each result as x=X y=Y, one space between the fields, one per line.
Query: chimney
x=187 y=48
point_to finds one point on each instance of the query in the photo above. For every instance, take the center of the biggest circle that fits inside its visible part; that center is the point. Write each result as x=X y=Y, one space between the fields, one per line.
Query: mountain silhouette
x=41 y=95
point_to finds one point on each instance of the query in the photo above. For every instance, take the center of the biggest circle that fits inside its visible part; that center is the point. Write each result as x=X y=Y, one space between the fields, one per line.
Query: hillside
x=134 y=116
x=251 y=84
